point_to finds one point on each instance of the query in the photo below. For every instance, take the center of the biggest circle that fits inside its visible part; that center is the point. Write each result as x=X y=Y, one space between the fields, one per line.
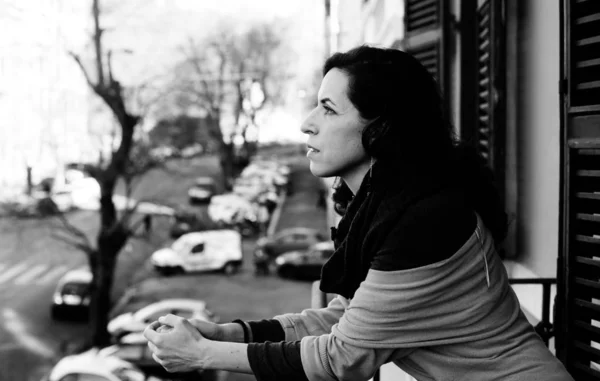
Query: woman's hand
x=232 y=332
x=182 y=348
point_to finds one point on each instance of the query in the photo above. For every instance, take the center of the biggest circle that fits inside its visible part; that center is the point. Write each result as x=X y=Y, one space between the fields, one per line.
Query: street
x=31 y=262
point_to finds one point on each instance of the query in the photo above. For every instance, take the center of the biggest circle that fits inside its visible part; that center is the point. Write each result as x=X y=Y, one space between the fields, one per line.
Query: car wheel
x=287 y=272
x=55 y=313
x=230 y=268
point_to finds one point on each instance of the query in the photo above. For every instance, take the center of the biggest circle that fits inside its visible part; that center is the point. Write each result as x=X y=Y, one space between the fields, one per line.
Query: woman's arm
x=312 y=322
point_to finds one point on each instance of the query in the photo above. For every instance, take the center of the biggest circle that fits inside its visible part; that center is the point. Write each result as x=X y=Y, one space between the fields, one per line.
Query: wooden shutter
x=425 y=25
x=578 y=303
x=490 y=120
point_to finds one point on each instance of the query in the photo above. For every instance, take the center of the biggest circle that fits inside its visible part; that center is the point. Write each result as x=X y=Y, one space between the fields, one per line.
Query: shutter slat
x=587 y=261
x=587 y=19
x=586 y=368
x=418 y=4
x=594 y=332
x=587 y=239
x=588 y=195
x=425 y=21
x=588 y=173
x=588 y=217
x=591 y=308
x=587 y=63
x=484 y=57
x=588 y=85
x=589 y=152
x=587 y=283
x=420 y=13
x=588 y=41
x=588 y=349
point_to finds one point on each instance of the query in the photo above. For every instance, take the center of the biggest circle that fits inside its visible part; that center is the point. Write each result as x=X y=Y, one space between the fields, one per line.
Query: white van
x=201 y=251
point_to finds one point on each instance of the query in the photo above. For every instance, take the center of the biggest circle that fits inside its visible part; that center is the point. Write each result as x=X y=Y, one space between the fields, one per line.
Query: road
x=31 y=262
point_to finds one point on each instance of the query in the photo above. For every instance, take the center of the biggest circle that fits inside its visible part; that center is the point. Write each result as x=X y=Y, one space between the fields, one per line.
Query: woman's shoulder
x=429 y=230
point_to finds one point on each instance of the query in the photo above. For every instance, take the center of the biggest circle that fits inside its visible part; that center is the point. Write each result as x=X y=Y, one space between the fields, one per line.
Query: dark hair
x=410 y=129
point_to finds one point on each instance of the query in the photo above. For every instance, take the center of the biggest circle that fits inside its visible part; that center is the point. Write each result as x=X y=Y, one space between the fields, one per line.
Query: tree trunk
x=110 y=243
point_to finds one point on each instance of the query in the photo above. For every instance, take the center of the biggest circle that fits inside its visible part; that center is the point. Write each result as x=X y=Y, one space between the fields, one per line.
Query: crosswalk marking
x=54 y=273
x=26 y=273
x=5 y=276
x=29 y=275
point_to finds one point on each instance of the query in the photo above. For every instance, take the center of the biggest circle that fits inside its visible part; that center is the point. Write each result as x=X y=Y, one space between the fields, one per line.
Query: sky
x=44 y=100
x=156 y=29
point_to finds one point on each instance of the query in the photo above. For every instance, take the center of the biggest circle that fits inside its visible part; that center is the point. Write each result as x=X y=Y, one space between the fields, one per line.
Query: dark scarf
x=382 y=198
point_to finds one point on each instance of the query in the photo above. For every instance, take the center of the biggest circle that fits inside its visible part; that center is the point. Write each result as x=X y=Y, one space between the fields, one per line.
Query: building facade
x=521 y=80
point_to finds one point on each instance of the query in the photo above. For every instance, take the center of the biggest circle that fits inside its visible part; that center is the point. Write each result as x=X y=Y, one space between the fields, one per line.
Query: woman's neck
x=354 y=178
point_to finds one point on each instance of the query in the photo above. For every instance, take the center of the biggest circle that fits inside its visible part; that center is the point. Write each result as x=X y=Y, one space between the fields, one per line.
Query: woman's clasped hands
x=177 y=344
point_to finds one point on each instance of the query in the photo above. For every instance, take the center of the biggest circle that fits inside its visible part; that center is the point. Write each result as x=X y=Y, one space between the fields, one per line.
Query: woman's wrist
x=223 y=355
x=233 y=332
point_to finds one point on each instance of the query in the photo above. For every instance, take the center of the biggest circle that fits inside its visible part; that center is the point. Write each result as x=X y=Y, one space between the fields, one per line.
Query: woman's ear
x=373 y=134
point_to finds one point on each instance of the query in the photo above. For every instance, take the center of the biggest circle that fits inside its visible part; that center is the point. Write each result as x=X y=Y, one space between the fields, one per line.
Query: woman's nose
x=309 y=126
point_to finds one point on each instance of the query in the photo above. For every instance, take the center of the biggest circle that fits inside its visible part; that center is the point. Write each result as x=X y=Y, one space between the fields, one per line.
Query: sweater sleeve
x=276 y=361
x=266 y=330
x=281 y=360
x=312 y=322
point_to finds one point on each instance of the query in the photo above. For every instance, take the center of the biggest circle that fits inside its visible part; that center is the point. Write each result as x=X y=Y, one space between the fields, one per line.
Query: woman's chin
x=319 y=171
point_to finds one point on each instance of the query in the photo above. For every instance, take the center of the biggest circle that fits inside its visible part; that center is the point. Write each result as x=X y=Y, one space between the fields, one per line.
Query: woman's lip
x=312 y=148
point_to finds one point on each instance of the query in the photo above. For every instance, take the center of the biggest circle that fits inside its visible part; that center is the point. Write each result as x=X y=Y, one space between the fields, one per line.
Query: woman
x=415 y=269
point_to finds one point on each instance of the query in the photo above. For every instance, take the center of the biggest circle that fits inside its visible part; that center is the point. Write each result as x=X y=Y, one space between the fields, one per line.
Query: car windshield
x=75 y=288
x=180 y=246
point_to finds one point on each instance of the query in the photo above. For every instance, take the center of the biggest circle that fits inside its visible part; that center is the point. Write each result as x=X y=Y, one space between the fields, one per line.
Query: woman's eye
x=328 y=111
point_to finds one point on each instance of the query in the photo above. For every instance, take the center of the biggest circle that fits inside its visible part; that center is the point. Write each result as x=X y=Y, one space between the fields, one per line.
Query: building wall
x=539 y=127
x=538 y=146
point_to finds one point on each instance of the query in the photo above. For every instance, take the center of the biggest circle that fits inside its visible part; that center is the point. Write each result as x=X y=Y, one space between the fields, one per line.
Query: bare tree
x=215 y=74
x=115 y=228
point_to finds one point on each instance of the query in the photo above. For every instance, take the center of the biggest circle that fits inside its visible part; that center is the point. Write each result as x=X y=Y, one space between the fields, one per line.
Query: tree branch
x=83 y=70
x=98 y=42
x=73 y=230
x=72 y=242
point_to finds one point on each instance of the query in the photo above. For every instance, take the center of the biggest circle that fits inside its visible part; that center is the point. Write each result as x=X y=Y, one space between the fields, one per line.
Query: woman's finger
x=152 y=347
x=154 y=325
x=150 y=333
x=170 y=319
x=157 y=359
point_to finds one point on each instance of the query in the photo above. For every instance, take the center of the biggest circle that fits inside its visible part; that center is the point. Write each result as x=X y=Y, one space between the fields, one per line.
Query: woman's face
x=334 y=130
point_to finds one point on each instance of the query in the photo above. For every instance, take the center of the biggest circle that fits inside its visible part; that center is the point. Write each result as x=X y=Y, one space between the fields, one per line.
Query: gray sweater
x=453 y=320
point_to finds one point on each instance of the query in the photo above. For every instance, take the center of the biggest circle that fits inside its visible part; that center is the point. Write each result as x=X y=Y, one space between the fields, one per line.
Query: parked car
x=72 y=295
x=201 y=251
x=133 y=348
x=96 y=366
x=203 y=189
x=187 y=221
x=137 y=321
x=305 y=264
x=299 y=238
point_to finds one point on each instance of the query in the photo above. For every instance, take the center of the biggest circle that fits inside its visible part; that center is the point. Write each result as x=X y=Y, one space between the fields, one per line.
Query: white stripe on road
x=11 y=272
x=54 y=273
x=15 y=325
x=29 y=275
